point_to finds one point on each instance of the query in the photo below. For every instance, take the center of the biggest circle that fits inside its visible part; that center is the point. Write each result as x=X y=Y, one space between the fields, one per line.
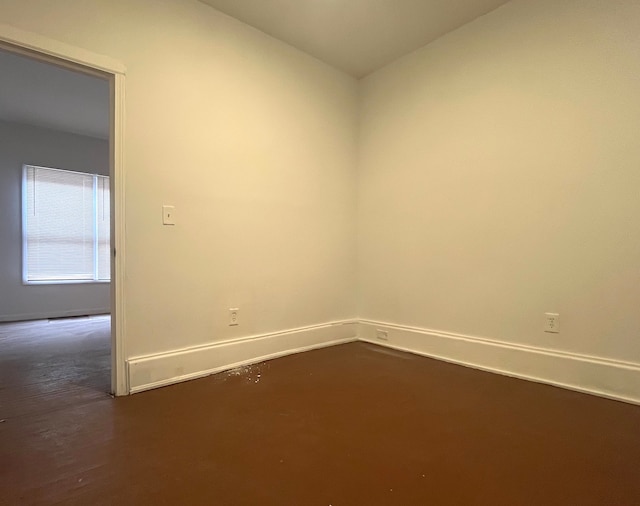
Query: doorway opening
x=61 y=293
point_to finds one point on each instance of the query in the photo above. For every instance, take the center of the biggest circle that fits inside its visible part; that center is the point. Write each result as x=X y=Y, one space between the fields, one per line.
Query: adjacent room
x=55 y=336
x=358 y=252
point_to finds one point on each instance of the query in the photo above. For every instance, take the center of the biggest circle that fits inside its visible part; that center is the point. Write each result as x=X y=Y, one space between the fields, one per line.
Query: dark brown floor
x=344 y=426
x=48 y=364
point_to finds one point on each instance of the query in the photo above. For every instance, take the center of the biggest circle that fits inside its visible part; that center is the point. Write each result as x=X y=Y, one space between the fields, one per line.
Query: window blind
x=66 y=226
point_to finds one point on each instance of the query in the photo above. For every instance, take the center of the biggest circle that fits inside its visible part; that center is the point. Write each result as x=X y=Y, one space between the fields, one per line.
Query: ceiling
x=45 y=95
x=357 y=36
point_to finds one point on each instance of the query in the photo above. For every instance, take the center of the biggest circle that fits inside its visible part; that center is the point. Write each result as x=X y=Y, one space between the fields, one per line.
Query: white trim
x=53 y=314
x=613 y=379
x=160 y=369
x=119 y=377
x=61 y=53
x=56 y=49
x=23 y=225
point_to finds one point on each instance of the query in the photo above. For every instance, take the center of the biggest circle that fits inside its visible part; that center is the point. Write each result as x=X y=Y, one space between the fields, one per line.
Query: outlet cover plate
x=383 y=335
x=234 y=316
x=552 y=323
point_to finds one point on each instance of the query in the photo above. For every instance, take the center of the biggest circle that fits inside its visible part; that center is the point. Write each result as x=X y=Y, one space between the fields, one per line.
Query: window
x=65 y=226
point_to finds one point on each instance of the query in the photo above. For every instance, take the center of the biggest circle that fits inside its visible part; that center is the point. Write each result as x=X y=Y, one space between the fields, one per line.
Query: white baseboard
x=162 y=369
x=52 y=314
x=593 y=375
x=603 y=377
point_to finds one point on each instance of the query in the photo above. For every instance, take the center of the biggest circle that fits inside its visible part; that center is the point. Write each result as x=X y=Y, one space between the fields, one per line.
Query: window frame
x=24 y=231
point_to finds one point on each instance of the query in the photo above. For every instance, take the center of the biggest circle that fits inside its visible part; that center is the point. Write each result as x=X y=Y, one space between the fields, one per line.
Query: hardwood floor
x=349 y=425
x=47 y=364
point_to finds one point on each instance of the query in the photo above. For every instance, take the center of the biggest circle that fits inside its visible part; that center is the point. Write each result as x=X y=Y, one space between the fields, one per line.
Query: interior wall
x=19 y=145
x=499 y=180
x=252 y=141
x=496 y=176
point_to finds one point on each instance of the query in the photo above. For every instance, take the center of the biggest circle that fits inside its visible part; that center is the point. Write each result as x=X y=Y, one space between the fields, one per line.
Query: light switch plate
x=168 y=215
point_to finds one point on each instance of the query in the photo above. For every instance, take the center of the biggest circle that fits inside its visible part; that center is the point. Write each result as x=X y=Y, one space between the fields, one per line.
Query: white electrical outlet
x=234 y=316
x=382 y=334
x=552 y=323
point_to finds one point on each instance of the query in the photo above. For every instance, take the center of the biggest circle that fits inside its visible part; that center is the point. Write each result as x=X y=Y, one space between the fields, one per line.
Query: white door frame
x=59 y=53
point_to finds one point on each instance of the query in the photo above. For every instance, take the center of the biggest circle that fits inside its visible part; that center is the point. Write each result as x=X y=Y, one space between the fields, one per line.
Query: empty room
x=379 y=252
x=55 y=246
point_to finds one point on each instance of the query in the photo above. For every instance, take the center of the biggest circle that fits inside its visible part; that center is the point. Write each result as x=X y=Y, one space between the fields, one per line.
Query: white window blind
x=66 y=229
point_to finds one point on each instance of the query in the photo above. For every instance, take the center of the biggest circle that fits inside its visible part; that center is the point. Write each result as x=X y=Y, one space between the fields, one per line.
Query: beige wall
x=499 y=179
x=251 y=140
x=497 y=175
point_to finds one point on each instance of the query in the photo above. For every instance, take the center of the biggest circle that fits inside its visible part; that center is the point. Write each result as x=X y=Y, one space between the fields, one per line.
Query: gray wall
x=22 y=144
